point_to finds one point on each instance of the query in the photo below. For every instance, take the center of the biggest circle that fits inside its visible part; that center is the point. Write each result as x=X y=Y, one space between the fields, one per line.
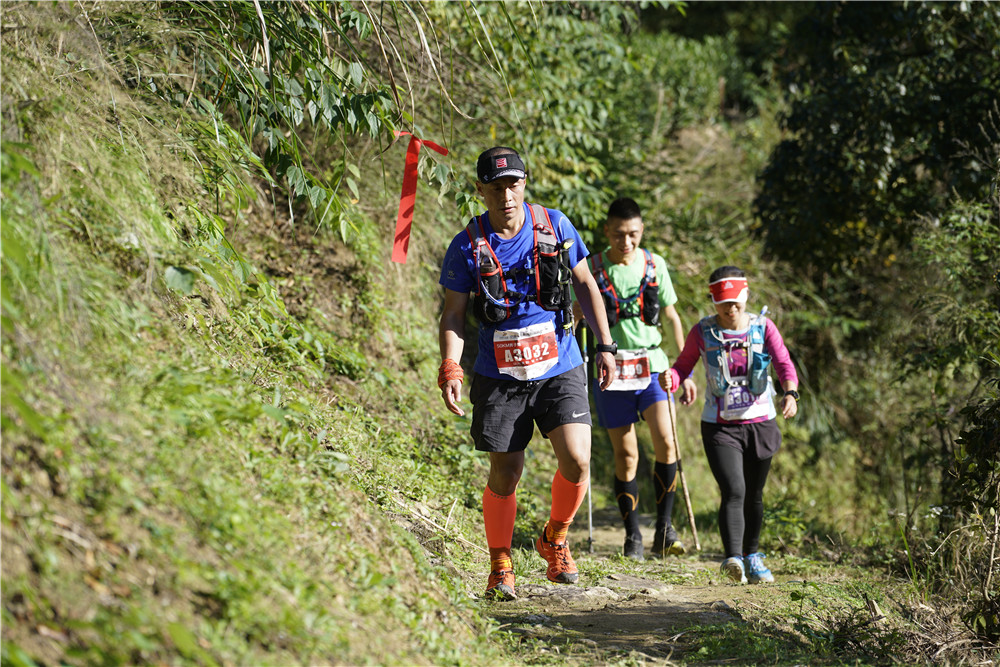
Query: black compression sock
x=665 y=486
x=627 y=495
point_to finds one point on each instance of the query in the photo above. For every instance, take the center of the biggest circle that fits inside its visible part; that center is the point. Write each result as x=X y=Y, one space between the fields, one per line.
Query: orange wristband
x=449 y=370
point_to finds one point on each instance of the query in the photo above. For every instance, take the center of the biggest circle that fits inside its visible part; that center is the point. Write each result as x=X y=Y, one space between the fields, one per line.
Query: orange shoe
x=562 y=568
x=501 y=586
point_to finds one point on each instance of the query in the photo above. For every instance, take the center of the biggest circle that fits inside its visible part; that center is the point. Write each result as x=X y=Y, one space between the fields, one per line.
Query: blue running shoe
x=756 y=572
x=733 y=568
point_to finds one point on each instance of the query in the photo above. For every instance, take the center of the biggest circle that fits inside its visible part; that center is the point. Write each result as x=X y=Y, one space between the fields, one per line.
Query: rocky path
x=620 y=611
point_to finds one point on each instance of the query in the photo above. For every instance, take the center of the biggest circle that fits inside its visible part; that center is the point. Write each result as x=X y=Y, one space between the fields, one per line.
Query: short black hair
x=624 y=208
x=726 y=272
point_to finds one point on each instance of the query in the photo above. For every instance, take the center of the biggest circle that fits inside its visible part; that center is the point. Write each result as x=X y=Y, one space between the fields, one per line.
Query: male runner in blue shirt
x=529 y=369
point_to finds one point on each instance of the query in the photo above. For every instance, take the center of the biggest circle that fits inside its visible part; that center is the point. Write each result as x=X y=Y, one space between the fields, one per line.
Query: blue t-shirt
x=458 y=273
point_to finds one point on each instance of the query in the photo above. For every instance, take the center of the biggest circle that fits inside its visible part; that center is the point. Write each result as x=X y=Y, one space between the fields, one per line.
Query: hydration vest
x=549 y=270
x=647 y=296
x=717 y=352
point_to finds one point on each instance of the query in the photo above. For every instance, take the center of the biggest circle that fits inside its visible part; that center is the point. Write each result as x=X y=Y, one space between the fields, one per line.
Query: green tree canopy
x=886 y=101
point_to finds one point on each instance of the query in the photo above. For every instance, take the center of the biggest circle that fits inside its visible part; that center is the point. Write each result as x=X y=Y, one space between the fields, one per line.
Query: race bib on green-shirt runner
x=527 y=353
x=633 y=371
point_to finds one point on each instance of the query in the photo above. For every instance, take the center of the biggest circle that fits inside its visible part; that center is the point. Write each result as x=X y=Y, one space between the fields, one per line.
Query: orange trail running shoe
x=562 y=569
x=501 y=586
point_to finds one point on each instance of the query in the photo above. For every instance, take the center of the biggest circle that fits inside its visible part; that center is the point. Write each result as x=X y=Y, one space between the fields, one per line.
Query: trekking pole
x=582 y=340
x=680 y=473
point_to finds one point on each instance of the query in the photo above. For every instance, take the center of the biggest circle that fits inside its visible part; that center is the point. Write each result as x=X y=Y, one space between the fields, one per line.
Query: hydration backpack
x=647 y=296
x=549 y=270
x=718 y=349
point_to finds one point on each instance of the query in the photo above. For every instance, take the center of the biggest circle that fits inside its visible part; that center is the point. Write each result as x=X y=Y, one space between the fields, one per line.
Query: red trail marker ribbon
x=404 y=221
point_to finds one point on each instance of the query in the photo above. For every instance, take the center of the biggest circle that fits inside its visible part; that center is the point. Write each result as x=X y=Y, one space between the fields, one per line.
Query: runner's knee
x=575 y=469
x=626 y=462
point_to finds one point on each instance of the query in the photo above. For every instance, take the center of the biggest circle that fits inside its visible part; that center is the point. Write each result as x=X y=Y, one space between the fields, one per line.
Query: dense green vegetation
x=222 y=443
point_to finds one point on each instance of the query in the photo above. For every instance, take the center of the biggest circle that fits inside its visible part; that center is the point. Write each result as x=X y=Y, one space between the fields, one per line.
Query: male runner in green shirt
x=639 y=298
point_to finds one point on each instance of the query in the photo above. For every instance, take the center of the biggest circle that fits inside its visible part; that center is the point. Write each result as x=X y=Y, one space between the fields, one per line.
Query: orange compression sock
x=566 y=500
x=498 y=515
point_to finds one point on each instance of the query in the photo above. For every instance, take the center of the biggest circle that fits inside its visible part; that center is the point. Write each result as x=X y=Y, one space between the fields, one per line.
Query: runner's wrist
x=449 y=370
x=675 y=380
x=611 y=348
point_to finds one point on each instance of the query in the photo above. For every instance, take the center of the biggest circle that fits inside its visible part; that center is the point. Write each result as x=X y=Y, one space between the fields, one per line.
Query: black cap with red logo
x=491 y=167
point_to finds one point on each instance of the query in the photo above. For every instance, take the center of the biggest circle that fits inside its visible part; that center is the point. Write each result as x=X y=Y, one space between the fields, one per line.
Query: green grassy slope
x=190 y=472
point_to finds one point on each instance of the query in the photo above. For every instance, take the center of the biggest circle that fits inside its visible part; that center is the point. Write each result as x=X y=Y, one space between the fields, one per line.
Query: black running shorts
x=504 y=412
x=761 y=438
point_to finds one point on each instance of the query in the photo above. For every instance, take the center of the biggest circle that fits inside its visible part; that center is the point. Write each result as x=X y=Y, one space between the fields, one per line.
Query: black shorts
x=762 y=438
x=504 y=412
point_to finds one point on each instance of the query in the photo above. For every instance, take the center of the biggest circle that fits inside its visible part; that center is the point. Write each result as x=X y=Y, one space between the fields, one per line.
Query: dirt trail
x=612 y=615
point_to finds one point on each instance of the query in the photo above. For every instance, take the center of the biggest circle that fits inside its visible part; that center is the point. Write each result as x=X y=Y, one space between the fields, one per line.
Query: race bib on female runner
x=633 y=371
x=528 y=353
x=739 y=404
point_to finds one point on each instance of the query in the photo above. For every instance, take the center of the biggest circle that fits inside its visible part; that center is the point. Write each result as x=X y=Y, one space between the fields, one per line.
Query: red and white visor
x=729 y=289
